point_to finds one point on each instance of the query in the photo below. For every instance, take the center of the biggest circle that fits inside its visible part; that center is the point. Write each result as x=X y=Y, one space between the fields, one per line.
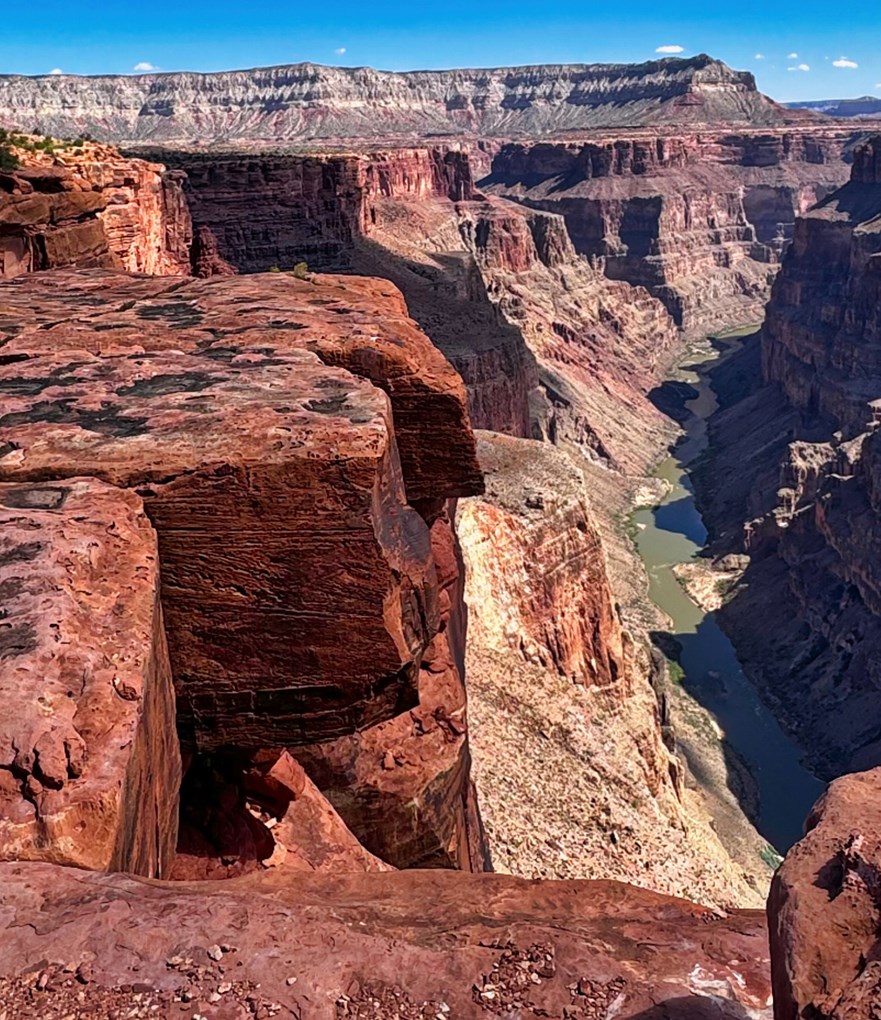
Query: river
x=673 y=532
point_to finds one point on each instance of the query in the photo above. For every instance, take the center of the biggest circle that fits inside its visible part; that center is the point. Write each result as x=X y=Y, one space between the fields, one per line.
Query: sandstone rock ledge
x=378 y=947
x=89 y=761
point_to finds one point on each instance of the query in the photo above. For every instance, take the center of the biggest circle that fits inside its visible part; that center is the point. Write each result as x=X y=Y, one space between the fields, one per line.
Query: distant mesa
x=864 y=106
x=311 y=102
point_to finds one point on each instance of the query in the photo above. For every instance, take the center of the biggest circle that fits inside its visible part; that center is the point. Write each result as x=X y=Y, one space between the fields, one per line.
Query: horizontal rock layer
x=90 y=206
x=89 y=762
x=379 y=946
x=698 y=219
x=309 y=101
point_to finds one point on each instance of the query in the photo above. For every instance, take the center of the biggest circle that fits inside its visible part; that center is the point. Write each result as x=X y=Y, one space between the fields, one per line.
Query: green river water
x=673 y=532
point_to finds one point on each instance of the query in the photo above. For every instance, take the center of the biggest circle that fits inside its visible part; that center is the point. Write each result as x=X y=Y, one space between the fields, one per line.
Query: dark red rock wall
x=307 y=602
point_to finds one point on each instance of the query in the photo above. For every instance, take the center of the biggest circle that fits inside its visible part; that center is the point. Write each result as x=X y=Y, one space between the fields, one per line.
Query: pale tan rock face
x=89 y=761
x=536 y=575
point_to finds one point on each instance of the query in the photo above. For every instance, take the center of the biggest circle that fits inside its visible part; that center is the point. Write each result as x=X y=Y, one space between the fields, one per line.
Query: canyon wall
x=545 y=343
x=699 y=219
x=804 y=497
x=85 y=206
x=305 y=102
x=574 y=747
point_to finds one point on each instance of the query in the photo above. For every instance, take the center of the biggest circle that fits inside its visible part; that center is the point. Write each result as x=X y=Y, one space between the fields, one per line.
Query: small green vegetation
x=675 y=672
x=300 y=271
x=770 y=856
x=274 y=269
x=11 y=140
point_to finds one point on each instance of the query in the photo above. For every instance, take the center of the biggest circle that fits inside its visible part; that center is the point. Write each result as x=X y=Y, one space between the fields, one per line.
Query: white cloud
x=670 y=49
x=340 y=51
x=844 y=62
x=760 y=56
x=792 y=56
x=799 y=67
x=56 y=70
x=145 y=65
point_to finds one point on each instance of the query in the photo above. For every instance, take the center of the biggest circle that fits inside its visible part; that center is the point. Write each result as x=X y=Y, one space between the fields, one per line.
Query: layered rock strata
x=88 y=206
x=268 y=459
x=306 y=102
x=807 y=483
x=89 y=761
x=494 y=285
x=373 y=946
x=698 y=219
x=570 y=728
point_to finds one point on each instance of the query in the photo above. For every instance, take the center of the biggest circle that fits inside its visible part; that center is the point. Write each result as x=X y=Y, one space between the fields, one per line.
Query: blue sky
x=808 y=49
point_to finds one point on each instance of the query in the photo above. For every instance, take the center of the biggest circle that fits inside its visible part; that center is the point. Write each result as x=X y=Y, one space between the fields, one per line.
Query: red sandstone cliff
x=87 y=206
x=294 y=443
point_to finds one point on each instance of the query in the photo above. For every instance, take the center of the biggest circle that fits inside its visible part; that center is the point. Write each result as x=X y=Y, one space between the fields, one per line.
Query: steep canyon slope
x=803 y=501
x=309 y=102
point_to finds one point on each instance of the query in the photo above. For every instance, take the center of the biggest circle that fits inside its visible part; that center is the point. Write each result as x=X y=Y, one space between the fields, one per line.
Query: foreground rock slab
x=89 y=762
x=408 y=944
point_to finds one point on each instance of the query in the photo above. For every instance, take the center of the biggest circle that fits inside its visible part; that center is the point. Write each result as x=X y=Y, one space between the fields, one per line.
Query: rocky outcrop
x=249 y=413
x=536 y=570
x=824 y=910
x=414 y=944
x=89 y=761
x=698 y=219
x=309 y=102
x=88 y=206
x=803 y=497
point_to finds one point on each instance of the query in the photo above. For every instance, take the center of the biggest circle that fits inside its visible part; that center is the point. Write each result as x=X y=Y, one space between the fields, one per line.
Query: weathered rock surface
x=803 y=497
x=90 y=206
x=261 y=473
x=824 y=911
x=309 y=101
x=414 y=944
x=89 y=761
x=288 y=460
x=698 y=219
